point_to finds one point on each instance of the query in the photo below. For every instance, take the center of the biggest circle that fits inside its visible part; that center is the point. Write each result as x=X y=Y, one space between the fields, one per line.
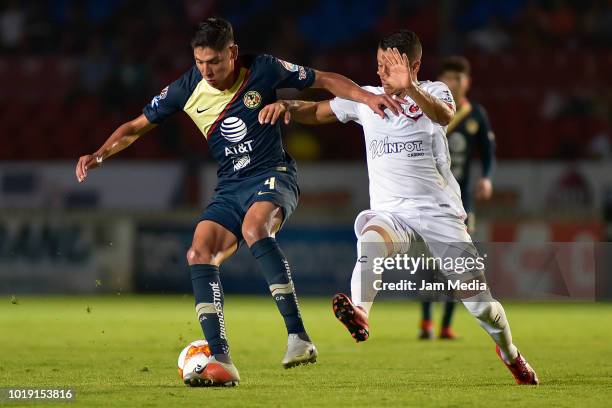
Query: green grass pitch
x=122 y=351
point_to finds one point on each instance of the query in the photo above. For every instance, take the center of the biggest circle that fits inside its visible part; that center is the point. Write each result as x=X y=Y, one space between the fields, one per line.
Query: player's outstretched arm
x=341 y=86
x=121 y=138
x=304 y=112
x=402 y=77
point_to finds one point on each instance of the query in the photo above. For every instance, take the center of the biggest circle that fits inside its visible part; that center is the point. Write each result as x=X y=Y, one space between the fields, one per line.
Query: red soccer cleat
x=520 y=369
x=216 y=373
x=447 y=333
x=354 y=318
x=426 y=330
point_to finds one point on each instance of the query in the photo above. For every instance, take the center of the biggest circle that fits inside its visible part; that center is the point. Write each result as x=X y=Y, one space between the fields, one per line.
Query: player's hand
x=270 y=113
x=484 y=189
x=398 y=66
x=378 y=103
x=89 y=161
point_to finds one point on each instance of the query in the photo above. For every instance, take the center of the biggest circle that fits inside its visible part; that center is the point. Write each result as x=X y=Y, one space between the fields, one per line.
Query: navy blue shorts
x=233 y=198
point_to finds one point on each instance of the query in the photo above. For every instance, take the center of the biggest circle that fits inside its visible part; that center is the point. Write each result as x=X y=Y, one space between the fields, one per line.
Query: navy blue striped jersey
x=229 y=119
x=469 y=131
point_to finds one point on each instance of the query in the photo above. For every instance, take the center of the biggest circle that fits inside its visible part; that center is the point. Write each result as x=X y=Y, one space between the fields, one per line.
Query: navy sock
x=449 y=307
x=426 y=310
x=276 y=270
x=208 y=294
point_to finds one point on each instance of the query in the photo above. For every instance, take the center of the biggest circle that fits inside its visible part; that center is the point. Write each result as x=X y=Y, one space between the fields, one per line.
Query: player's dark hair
x=406 y=41
x=455 y=63
x=215 y=33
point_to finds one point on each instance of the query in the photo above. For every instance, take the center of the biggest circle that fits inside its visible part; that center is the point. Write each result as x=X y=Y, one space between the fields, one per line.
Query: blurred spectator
x=600 y=147
x=542 y=65
x=95 y=67
x=339 y=22
x=12 y=22
x=490 y=38
x=571 y=190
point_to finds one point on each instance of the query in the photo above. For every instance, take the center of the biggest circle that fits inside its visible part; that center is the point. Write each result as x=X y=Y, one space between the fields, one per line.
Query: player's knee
x=254 y=231
x=478 y=309
x=486 y=311
x=378 y=237
x=196 y=256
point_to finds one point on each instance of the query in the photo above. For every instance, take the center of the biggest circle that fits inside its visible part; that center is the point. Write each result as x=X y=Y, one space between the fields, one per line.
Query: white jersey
x=407 y=155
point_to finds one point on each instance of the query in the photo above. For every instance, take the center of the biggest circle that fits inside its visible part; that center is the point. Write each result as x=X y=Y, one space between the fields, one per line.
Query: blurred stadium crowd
x=71 y=71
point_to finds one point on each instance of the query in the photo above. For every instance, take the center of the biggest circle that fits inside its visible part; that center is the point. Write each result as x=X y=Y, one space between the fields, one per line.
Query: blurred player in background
x=468 y=131
x=257 y=181
x=414 y=197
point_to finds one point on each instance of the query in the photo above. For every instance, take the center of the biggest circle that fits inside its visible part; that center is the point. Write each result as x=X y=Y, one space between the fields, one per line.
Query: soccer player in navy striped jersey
x=257 y=189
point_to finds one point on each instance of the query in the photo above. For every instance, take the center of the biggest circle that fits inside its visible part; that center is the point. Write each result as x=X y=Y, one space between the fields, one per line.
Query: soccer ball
x=193 y=359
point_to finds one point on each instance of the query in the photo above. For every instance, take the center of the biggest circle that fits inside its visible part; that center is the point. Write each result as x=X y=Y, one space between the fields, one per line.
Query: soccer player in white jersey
x=414 y=197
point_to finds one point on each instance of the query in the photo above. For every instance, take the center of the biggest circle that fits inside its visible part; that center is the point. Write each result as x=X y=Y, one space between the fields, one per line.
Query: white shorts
x=441 y=235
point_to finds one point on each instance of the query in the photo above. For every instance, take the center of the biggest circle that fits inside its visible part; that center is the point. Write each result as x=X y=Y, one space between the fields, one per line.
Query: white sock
x=492 y=318
x=366 y=299
x=370 y=245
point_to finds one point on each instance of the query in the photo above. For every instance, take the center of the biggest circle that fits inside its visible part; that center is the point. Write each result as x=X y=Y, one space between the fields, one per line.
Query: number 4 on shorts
x=270 y=183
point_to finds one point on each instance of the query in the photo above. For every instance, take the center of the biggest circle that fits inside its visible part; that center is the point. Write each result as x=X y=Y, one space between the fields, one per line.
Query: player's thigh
x=442 y=228
x=273 y=199
x=447 y=239
x=212 y=244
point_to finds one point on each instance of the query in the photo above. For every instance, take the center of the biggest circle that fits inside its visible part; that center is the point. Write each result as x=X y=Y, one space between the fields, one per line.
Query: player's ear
x=416 y=65
x=234 y=51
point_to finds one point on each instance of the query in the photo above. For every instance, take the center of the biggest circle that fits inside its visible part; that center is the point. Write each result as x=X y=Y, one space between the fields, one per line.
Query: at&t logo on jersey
x=233 y=129
x=379 y=148
x=241 y=148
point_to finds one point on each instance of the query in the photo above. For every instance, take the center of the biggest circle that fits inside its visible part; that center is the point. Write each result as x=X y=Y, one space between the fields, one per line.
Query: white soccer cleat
x=299 y=352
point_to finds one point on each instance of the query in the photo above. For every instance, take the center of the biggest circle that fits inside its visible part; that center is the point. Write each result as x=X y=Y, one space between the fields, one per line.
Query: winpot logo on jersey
x=379 y=148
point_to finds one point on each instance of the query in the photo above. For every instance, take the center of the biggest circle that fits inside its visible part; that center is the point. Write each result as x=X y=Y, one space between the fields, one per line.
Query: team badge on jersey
x=252 y=99
x=293 y=68
x=288 y=65
x=471 y=126
x=413 y=112
x=447 y=98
